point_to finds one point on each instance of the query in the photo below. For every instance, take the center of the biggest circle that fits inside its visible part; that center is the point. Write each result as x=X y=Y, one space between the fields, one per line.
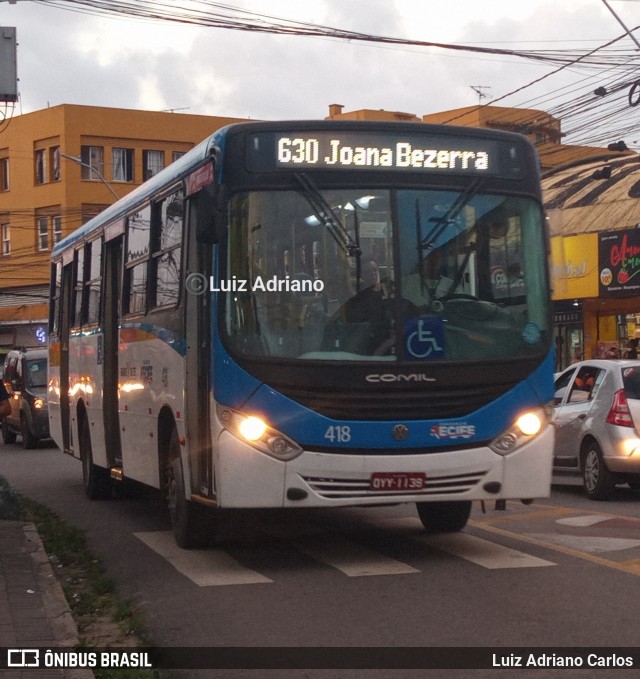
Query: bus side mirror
x=210 y=213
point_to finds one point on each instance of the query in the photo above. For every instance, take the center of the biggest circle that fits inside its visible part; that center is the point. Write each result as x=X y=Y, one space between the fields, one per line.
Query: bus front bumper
x=246 y=477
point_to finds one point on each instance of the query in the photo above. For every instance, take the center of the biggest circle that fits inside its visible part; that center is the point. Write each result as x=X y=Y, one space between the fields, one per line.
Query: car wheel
x=8 y=436
x=28 y=439
x=444 y=517
x=97 y=484
x=597 y=480
x=193 y=525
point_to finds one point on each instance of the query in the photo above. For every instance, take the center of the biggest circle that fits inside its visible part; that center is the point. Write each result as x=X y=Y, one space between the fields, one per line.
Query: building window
x=152 y=163
x=41 y=166
x=4 y=174
x=92 y=162
x=122 y=160
x=49 y=231
x=6 y=239
x=57 y=229
x=176 y=154
x=54 y=162
x=43 y=233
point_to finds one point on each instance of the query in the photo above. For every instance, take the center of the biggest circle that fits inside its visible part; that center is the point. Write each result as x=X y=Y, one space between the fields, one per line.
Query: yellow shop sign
x=574 y=266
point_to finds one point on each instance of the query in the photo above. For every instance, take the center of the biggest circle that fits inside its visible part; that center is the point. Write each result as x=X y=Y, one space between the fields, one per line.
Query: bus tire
x=444 y=517
x=96 y=481
x=191 y=523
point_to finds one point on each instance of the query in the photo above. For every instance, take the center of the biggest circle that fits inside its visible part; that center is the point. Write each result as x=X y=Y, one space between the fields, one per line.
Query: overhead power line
x=217 y=15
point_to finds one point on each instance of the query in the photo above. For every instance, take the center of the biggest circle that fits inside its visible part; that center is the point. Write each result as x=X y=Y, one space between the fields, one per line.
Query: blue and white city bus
x=313 y=314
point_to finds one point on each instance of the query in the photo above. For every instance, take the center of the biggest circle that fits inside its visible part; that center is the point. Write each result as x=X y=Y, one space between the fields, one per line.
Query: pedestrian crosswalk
x=205 y=568
x=345 y=553
x=482 y=552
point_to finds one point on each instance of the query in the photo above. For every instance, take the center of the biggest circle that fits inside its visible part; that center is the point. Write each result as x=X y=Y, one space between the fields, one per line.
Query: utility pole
x=619 y=20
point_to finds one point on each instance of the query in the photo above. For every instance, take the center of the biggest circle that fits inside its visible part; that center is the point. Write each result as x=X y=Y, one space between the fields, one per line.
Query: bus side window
x=92 y=281
x=166 y=251
x=136 y=261
x=54 y=305
x=77 y=308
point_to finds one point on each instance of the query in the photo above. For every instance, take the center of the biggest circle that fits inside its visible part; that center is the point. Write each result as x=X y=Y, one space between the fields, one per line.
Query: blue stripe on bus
x=177 y=343
x=236 y=388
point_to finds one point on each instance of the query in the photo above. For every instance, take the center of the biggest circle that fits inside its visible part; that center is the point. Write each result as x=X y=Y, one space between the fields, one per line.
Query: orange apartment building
x=59 y=167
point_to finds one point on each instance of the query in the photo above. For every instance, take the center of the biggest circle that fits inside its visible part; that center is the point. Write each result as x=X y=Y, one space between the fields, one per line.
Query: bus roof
x=182 y=167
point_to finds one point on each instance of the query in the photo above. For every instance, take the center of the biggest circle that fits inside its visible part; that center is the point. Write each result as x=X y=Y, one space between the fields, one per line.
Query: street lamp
x=79 y=161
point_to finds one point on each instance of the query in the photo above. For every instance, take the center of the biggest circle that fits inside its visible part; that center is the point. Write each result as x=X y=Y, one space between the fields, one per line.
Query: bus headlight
x=252 y=428
x=258 y=433
x=526 y=427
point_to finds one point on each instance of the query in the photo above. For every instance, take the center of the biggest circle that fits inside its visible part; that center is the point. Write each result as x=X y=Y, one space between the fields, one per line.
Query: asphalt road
x=564 y=571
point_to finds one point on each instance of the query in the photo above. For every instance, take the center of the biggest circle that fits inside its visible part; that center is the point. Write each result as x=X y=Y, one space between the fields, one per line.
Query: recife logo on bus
x=455 y=430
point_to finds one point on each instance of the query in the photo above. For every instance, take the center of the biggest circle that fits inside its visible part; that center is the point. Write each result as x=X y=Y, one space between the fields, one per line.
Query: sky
x=78 y=58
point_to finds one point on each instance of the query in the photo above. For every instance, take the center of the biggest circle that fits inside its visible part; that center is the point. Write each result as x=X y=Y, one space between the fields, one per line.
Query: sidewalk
x=33 y=609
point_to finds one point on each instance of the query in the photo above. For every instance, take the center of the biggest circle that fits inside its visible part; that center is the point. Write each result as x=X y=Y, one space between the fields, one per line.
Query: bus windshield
x=385 y=275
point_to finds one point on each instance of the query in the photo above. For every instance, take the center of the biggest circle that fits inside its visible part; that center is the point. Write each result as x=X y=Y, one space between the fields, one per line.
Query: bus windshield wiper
x=429 y=241
x=327 y=216
x=449 y=217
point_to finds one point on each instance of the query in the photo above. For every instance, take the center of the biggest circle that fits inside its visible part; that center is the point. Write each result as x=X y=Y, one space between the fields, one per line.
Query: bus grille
x=409 y=404
x=334 y=488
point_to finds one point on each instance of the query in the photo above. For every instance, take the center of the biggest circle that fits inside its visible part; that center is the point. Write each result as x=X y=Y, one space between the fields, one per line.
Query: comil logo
x=457 y=430
x=606 y=277
x=390 y=377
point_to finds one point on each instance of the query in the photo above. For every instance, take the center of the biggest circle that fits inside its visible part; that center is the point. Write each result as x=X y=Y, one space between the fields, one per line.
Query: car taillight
x=620 y=413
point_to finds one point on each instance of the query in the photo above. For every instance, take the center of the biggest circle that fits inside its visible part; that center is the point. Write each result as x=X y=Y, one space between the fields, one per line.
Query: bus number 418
x=338 y=434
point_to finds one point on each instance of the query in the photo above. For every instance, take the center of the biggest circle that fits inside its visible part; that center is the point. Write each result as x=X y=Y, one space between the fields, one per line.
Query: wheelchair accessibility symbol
x=424 y=338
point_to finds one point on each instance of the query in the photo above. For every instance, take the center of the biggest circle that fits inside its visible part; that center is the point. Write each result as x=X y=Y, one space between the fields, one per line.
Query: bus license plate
x=409 y=481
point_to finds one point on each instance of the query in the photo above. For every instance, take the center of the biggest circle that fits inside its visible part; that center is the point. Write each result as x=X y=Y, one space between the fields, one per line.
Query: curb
x=63 y=626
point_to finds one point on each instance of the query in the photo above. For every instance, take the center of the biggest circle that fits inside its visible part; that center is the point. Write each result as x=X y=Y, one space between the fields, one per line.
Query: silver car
x=597 y=421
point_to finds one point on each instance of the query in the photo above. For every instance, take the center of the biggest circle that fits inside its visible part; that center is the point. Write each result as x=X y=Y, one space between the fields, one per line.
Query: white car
x=597 y=421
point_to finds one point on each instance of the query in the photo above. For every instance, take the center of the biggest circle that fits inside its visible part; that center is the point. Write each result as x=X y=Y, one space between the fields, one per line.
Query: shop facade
x=596 y=294
x=593 y=212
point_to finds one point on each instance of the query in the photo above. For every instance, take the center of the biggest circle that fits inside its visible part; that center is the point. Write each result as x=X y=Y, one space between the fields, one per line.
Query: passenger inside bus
x=367 y=313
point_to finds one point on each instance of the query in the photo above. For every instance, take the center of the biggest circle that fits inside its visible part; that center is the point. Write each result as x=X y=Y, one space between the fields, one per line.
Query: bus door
x=67 y=301
x=199 y=357
x=111 y=306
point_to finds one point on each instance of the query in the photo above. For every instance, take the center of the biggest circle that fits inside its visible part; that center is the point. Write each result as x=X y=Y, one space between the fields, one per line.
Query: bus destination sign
x=349 y=150
x=402 y=154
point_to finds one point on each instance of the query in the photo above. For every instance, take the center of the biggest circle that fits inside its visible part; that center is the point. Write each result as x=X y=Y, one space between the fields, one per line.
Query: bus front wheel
x=97 y=484
x=444 y=517
x=192 y=524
